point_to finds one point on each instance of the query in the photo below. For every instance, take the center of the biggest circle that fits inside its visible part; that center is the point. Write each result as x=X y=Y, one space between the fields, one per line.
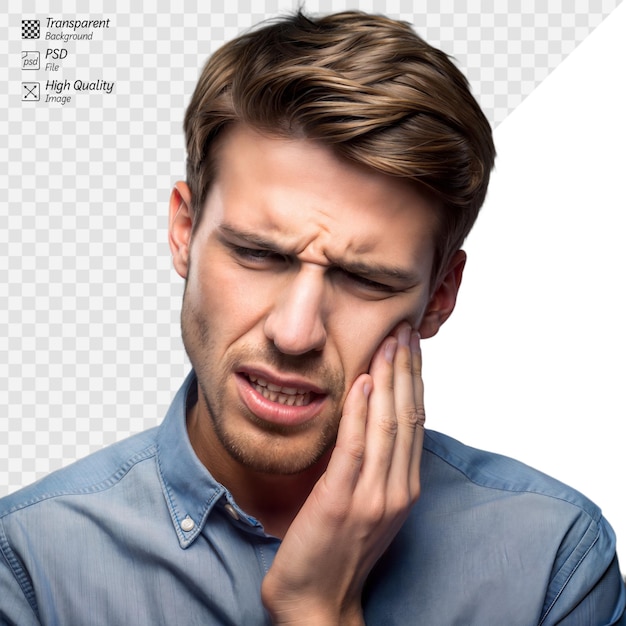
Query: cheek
x=364 y=327
x=228 y=301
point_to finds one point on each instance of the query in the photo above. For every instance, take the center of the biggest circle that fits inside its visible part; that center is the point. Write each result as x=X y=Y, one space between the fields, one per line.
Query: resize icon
x=30 y=92
x=30 y=29
x=30 y=59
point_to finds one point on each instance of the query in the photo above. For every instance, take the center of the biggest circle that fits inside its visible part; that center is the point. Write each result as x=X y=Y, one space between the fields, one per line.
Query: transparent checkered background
x=90 y=348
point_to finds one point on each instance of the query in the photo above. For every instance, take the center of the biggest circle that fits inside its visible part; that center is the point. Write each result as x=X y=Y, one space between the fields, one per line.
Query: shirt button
x=231 y=511
x=187 y=524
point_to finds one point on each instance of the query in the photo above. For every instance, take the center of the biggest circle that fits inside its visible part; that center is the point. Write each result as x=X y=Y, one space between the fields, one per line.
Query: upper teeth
x=290 y=396
x=290 y=391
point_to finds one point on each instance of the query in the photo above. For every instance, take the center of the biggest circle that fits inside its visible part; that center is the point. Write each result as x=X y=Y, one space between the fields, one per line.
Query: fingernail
x=390 y=349
x=415 y=341
x=367 y=387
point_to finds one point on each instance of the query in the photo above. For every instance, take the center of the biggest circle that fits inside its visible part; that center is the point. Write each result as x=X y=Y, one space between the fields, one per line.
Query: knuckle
x=415 y=490
x=354 y=448
x=338 y=516
x=415 y=417
x=416 y=493
x=376 y=509
x=336 y=510
x=388 y=424
x=400 y=502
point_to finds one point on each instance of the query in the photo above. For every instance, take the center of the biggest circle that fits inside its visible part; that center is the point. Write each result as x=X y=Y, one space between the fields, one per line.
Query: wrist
x=319 y=618
x=311 y=611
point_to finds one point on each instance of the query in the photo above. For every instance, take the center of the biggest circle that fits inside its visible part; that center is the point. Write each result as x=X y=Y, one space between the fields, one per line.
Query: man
x=335 y=167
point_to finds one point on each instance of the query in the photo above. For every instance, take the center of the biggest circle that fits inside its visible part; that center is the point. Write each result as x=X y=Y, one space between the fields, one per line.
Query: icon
x=30 y=92
x=30 y=59
x=30 y=29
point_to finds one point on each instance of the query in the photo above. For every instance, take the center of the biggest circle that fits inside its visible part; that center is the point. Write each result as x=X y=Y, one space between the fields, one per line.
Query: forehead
x=302 y=192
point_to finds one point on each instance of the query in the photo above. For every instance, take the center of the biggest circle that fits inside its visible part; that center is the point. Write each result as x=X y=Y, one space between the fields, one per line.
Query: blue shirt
x=140 y=533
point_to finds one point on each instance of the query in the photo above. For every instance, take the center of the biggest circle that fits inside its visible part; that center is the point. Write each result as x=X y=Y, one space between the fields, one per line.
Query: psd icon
x=30 y=59
x=30 y=29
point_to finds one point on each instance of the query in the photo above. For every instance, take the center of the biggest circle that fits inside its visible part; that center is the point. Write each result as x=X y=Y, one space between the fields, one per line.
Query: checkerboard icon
x=30 y=29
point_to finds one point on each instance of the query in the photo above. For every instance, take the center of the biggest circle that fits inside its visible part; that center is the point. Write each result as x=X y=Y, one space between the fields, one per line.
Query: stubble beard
x=270 y=449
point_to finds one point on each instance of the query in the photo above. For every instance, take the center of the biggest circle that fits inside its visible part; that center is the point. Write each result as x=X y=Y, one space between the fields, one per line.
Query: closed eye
x=367 y=283
x=256 y=255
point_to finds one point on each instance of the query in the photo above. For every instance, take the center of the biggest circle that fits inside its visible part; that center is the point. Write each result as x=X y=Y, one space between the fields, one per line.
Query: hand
x=361 y=501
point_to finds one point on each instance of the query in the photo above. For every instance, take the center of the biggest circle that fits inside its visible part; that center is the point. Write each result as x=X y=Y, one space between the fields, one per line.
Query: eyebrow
x=369 y=270
x=248 y=236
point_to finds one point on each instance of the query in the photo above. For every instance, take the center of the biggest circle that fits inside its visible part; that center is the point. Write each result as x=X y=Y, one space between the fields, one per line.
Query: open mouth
x=284 y=401
x=288 y=396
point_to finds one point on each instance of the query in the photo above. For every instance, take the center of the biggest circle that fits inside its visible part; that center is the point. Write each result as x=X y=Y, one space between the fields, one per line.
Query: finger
x=382 y=426
x=406 y=414
x=404 y=474
x=418 y=390
x=346 y=459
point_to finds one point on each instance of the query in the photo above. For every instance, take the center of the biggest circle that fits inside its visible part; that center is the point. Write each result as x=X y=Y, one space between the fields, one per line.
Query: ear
x=180 y=226
x=443 y=300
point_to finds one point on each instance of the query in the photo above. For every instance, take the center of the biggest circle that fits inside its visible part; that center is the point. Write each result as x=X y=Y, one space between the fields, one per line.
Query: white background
x=532 y=364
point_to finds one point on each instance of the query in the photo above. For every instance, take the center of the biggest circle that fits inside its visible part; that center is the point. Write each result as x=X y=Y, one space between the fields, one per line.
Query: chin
x=280 y=456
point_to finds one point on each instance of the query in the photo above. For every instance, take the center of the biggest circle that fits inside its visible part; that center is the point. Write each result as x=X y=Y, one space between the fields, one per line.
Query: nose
x=296 y=321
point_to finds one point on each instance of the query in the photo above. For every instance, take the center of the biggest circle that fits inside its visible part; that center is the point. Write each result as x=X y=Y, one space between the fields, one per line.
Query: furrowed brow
x=378 y=271
x=370 y=270
x=250 y=237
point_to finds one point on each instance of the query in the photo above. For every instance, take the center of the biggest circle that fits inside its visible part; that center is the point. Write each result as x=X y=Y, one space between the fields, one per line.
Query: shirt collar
x=190 y=490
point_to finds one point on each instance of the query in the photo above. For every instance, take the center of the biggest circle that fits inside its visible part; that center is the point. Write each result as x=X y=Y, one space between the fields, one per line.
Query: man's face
x=301 y=265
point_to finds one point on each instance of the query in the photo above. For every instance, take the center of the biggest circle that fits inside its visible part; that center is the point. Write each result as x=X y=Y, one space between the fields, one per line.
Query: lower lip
x=274 y=412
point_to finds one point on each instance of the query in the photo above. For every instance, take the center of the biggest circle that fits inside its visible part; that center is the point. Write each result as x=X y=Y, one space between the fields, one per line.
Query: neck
x=273 y=499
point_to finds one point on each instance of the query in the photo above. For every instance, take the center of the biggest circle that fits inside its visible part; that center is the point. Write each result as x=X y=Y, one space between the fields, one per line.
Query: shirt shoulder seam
x=447 y=456
x=99 y=486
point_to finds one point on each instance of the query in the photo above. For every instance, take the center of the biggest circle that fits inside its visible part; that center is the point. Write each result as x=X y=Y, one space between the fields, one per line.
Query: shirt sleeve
x=15 y=609
x=588 y=588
